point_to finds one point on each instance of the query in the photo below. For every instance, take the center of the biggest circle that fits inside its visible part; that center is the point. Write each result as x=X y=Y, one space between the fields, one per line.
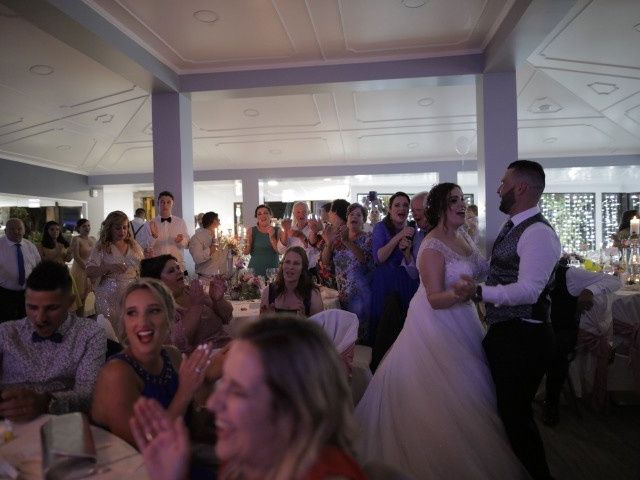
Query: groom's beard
x=507 y=201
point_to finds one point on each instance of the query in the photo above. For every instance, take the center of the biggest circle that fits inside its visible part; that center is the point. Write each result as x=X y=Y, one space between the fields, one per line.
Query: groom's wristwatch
x=477 y=297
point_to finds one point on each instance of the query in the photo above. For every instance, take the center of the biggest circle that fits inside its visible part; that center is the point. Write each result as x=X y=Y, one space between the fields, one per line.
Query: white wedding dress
x=430 y=409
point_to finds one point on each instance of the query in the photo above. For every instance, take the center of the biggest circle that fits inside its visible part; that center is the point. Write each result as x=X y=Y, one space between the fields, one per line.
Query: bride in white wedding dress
x=430 y=409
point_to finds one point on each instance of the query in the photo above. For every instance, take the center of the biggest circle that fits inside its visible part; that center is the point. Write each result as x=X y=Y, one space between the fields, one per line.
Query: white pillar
x=496 y=99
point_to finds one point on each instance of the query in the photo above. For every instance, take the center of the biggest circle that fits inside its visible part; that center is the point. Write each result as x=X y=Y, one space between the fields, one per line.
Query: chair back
x=342 y=328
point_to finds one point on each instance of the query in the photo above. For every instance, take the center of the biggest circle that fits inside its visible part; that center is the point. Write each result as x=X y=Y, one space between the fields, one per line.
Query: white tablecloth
x=247 y=311
x=117 y=460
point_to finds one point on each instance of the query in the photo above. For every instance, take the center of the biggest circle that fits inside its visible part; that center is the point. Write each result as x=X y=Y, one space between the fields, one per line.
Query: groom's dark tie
x=503 y=233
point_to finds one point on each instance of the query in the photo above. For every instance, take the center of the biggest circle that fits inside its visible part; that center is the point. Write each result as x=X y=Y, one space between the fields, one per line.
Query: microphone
x=412 y=224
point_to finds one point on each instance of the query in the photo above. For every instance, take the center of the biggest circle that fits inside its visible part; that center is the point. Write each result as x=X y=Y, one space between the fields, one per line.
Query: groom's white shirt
x=539 y=250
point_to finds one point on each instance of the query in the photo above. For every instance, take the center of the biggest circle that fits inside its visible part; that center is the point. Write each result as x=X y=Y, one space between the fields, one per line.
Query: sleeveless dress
x=162 y=387
x=262 y=254
x=430 y=409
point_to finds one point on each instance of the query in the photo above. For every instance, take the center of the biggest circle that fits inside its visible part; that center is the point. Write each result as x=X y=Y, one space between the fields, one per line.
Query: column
x=250 y=196
x=496 y=99
x=173 y=151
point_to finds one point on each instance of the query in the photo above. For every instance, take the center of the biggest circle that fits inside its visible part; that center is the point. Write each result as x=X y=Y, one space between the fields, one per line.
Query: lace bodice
x=455 y=264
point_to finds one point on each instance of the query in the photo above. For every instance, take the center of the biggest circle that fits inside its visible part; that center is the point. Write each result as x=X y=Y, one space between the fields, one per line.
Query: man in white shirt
x=519 y=343
x=572 y=294
x=18 y=256
x=166 y=234
x=204 y=246
x=137 y=222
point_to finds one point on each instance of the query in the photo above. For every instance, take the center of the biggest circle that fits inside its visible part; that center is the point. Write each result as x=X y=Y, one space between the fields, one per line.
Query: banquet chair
x=342 y=328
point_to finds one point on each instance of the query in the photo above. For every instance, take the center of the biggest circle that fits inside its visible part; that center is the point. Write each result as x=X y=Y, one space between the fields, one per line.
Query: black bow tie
x=168 y=219
x=55 y=338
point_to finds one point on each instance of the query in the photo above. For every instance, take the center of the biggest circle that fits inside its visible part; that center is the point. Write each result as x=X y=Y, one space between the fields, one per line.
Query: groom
x=519 y=341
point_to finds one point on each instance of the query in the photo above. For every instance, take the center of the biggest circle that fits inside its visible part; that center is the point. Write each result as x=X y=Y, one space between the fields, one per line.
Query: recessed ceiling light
x=41 y=69
x=550 y=140
x=413 y=3
x=602 y=88
x=251 y=112
x=326 y=179
x=272 y=183
x=206 y=16
x=275 y=151
x=412 y=145
x=425 y=102
x=63 y=147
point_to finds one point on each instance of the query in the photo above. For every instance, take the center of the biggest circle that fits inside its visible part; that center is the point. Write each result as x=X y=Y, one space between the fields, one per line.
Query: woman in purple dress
x=392 y=251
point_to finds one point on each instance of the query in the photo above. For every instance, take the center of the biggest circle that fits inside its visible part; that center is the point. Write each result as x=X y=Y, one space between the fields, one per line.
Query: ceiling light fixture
x=425 y=102
x=326 y=179
x=272 y=183
x=413 y=3
x=63 y=147
x=550 y=140
x=206 y=16
x=251 y=112
x=41 y=69
x=275 y=151
x=412 y=145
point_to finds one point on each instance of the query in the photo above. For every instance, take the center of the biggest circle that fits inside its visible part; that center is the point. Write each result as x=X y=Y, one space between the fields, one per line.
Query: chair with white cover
x=342 y=327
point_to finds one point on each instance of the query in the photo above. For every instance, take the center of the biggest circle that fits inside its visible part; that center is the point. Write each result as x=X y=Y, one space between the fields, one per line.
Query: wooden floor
x=595 y=447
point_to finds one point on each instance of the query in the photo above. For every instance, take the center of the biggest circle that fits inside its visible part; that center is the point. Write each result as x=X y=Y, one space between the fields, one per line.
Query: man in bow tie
x=49 y=360
x=166 y=234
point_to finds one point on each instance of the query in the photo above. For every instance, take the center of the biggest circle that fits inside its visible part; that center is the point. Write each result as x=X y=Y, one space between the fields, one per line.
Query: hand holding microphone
x=408 y=231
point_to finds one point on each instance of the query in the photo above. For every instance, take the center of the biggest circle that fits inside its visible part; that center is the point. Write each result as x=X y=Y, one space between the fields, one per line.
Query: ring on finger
x=148 y=436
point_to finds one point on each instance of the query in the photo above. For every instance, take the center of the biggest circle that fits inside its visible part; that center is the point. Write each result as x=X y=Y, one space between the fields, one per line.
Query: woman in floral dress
x=352 y=264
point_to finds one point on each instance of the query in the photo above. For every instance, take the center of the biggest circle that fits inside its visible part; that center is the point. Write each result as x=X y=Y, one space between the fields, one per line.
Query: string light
x=572 y=215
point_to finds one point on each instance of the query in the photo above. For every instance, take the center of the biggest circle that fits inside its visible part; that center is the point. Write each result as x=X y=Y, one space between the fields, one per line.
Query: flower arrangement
x=246 y=286
x=230 y=243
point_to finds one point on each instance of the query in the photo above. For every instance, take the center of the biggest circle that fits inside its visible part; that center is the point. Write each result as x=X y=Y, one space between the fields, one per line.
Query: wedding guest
x=572 y=294
x=53 y=245
x=421 y=226
x=81 y=247
x=50 y=359
x=263 y=242
x=624 y=228
x=199 y=317
x=293 y=291
x=18 y=257
x=166 y=234
x=302 y=232
x=352 y=266
x=138 y=221
x=391 y=245
x=471 y=223
x=332 y=241
x=282 y=409
x=113 y=264
x=146 y=368
x=205 y=248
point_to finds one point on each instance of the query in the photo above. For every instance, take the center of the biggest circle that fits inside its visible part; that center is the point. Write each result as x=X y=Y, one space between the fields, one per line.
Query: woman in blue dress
x=147 y=367
x=392 y=252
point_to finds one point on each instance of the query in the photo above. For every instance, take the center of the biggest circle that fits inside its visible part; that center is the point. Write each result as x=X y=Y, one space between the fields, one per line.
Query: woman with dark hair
x=282 y=409
x=263 y=242
x=433 y=391
x=54 y=246
x=391 y=248
x=293 y=290
x=81 y=247
x=332 y=240
x=113 y=264
x=200 y=317
x=352 y=265
x=624 y=228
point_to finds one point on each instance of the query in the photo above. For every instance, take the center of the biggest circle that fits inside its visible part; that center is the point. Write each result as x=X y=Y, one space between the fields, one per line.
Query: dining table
x=116 y=459
x=247 y=311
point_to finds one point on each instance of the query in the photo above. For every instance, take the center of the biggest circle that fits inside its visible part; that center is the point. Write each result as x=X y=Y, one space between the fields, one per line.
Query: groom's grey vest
x=505 y=265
